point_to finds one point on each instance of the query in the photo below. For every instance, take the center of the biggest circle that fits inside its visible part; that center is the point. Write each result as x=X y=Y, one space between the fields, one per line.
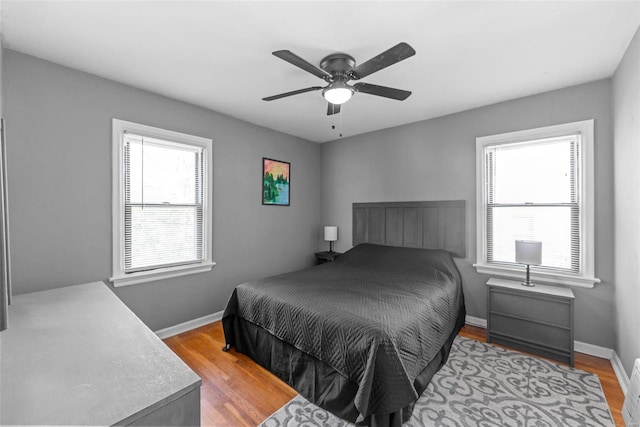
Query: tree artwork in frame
x=275 y=182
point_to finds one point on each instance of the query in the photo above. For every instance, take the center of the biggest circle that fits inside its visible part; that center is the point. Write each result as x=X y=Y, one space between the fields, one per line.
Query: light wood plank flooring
x=238 y=392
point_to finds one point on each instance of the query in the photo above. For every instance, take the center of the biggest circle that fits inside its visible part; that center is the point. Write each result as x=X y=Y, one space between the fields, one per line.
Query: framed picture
x=276 y=181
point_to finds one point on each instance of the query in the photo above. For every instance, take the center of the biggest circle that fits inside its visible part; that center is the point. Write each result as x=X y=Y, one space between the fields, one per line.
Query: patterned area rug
x=485 y=385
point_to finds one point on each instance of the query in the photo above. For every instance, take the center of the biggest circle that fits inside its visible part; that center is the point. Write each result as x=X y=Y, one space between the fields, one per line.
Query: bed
x=360 y=337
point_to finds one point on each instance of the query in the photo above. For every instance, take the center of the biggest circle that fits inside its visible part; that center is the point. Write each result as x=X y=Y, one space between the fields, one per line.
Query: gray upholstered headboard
x=431 y=225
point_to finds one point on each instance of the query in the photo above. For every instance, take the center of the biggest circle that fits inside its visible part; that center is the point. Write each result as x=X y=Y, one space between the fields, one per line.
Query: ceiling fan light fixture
x=337 y=94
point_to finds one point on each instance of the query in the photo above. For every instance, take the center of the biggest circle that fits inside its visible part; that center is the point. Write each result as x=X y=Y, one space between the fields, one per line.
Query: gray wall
x=60 y=182
x=626 y=108
x=4 y=291
x=1 y=61
x=59 y=151
x=435 y=160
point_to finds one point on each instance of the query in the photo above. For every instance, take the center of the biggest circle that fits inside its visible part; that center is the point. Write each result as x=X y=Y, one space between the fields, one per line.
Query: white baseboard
x=189 y=325
x=593 y=350
x=476 y=321
x=621 y=375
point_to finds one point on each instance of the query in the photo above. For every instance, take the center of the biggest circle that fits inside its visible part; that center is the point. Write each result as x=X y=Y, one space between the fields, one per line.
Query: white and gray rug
x=485 y=385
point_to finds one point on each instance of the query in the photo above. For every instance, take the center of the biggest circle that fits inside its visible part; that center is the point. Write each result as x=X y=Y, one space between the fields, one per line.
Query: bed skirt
x=318 y=382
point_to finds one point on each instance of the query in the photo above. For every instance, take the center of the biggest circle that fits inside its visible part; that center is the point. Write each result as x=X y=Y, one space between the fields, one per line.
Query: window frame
x=119 y=277
x=585 y=277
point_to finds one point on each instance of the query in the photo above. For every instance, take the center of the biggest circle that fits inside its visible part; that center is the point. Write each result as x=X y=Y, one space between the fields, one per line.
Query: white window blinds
x=533 y=193
x=163 y=203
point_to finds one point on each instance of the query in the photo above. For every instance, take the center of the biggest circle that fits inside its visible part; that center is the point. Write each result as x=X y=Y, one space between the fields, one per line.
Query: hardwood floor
x=238 y=392
x=235 y=390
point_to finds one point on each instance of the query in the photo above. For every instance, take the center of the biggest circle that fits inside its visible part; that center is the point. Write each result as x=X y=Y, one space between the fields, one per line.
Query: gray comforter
x=378 y=315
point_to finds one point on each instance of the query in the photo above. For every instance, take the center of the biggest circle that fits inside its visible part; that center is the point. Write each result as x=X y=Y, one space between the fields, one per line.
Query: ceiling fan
x=339 y=68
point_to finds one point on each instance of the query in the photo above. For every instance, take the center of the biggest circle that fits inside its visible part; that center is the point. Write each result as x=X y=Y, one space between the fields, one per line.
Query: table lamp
x=528 y=252
x=330 y=235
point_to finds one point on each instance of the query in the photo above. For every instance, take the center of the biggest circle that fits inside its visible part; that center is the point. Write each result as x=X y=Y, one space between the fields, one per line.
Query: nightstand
x=326 y=256
x=536 y=319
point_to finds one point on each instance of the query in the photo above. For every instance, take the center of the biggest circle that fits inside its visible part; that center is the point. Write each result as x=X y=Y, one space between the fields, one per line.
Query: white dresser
x=79 y=356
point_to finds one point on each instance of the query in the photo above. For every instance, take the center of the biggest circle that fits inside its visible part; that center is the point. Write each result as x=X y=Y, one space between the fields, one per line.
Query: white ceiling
x=217 y=54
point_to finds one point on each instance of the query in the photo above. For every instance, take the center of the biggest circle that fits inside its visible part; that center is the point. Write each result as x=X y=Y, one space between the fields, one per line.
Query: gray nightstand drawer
x=534 y=307
x=536 y=319
x=526 y=330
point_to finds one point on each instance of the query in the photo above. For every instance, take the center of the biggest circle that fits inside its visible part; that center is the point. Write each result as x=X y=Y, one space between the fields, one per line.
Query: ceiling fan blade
x=333 y=109
x=294 y=92
x=389 y=57
x=387 y=92
x=294 y=59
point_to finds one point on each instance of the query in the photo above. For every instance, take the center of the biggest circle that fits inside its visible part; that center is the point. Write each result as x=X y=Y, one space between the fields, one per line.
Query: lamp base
x=527 y=280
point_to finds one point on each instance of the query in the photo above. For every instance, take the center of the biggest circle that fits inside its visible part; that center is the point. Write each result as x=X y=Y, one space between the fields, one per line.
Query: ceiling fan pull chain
x=333 y=116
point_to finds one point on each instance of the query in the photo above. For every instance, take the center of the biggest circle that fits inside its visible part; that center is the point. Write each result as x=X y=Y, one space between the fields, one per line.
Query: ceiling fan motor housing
x=337 y=63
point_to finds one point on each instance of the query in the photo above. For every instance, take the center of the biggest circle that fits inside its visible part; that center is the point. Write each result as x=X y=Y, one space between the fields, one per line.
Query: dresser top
x=539 y=289
x=79 y=356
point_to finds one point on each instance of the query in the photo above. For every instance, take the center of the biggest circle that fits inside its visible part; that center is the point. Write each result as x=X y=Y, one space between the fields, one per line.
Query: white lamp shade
x=330 y=233
x=528 y=252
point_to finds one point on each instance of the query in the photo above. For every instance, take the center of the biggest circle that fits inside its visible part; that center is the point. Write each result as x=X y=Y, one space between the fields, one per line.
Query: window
x=161 y=211
x=537 y=185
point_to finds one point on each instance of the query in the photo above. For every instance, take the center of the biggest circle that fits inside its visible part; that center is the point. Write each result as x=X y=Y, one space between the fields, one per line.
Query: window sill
x=541 y=277
x=160 y=274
